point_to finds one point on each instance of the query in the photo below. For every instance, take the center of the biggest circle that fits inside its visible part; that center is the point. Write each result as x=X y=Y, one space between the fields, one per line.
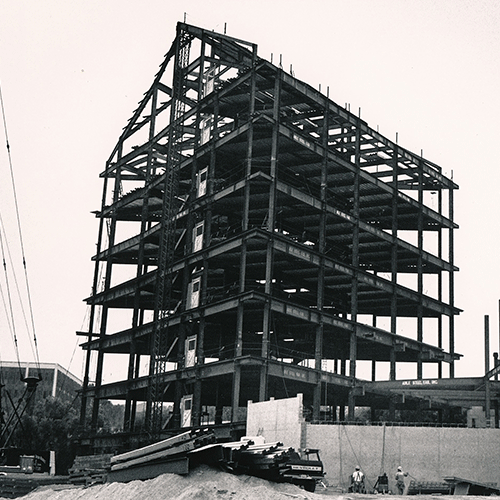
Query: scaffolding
x=257 y=240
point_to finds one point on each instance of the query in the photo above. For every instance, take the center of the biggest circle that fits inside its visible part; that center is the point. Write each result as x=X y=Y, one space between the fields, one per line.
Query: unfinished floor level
x=257 y=241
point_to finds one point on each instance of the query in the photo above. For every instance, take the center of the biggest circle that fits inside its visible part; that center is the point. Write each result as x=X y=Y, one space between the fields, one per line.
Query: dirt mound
x=202 y=483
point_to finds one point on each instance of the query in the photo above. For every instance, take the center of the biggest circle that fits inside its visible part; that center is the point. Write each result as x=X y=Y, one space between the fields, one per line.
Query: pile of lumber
x=90 y=469
x=14 y=487
x=18 y=485
x=251 y=456
x=167 y=456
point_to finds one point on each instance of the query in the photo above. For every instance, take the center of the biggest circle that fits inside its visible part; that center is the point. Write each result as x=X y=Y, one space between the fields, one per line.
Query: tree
x=110 y=417
x=51 y=425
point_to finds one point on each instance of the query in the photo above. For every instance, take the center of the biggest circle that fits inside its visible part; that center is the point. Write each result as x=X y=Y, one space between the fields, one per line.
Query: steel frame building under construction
x=256 y=241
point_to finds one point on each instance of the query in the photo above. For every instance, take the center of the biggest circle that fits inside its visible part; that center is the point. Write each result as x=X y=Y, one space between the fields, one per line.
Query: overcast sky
x=72 y=72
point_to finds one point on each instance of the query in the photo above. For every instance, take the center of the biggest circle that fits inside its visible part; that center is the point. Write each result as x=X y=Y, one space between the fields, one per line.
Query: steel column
x=354 y=286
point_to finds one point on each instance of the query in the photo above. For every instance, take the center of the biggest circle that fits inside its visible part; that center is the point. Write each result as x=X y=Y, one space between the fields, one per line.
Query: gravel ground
x=205 y=483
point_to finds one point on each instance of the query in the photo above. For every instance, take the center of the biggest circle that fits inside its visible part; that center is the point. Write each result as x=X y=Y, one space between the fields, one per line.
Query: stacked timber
x=167 y=456
x=17 y=485
x=251 y=456
x=90 y=469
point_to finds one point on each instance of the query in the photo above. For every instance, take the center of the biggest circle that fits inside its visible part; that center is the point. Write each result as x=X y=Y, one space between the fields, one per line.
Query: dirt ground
x=205 y=483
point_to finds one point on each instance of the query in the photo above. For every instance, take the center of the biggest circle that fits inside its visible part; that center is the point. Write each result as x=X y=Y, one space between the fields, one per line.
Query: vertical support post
x=271 y=224
x=237 y=368
x=487 y=368
x=374 y=361
x=197 y=395
x=264 y=352
x=127 y=419
x=104 y=314
x=420 y=277
x=318 y=346
x=244 y=226
x=440 y=283
x=392 y=409
x=495 y=365
x=392 y=361
x=394 y=259
x=451 y=285
x=95 y=283
x=137 y=317
x=235 y=403
x=354 y=284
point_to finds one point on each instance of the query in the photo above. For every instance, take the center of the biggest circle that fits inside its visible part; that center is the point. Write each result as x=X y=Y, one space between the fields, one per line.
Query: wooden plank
x=150 y=471
x=152 y=448
x=169 y=452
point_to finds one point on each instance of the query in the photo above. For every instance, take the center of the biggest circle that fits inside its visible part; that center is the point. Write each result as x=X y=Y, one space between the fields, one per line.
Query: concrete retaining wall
x=427 y=453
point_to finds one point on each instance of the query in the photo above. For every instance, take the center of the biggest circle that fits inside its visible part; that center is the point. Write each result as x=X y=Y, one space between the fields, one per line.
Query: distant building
x=56 y=381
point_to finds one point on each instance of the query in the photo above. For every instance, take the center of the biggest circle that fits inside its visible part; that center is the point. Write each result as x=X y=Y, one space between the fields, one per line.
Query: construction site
x=259 y=242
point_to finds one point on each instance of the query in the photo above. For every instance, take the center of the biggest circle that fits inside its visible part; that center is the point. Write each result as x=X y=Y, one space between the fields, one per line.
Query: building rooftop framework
x=257 y=240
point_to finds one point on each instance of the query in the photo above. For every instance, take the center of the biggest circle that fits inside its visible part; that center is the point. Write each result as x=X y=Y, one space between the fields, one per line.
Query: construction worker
x=358 y=481
x=382 y=484
x=400 y=480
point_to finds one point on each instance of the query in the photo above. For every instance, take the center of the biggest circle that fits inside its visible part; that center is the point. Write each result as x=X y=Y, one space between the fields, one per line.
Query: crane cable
x=354 y=453
x=7 y=304
x=28 y=292
x=10 y=315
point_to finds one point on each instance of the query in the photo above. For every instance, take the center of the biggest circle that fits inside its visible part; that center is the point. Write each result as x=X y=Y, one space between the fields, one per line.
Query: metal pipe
x=487 y=368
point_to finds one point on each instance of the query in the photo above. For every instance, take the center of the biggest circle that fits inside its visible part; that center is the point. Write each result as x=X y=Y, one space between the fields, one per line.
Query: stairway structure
x=257 y=241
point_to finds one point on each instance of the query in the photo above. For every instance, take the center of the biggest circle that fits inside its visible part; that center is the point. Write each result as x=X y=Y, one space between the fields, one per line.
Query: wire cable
x=18 y=219
x=355 y=456
x=9 y=311
x=6 y=252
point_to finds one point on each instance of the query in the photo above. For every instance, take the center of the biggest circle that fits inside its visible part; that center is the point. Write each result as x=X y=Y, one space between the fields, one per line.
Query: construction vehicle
x=304 y=470
x=274 y=462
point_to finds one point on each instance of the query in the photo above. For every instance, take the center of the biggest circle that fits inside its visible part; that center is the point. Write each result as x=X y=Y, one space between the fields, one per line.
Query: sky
x=72 y=73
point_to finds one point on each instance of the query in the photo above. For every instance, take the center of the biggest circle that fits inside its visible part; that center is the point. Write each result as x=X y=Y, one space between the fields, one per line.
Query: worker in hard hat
x=358 y=481
x=400 y=480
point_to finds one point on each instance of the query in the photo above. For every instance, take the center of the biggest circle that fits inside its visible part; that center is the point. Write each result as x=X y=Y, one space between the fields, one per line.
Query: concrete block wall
x=427 y=453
